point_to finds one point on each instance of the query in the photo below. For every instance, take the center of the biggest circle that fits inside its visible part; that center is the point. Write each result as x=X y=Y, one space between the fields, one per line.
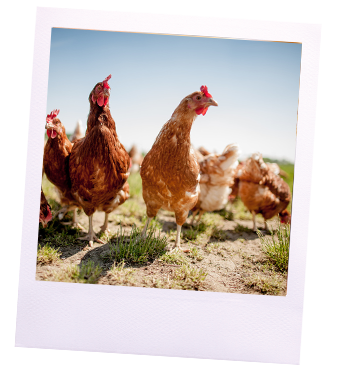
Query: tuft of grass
x=67 y=236
x=276 y=247
x=194 y=232
x=47 y=255
x=270 y=284
x=120 y=275
x=218 y=233
x=188 y=278
x=195 y=254
x=86 y=273
x=135 y=249
x=173 y=257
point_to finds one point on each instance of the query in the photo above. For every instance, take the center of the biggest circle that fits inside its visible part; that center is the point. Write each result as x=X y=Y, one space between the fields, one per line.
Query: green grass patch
x=188 y=278
x=193 y=232
x=85 y=273
x=132 y=248
x=173 y=257
x=269 y=284
x=48 y=255
x=276 y=246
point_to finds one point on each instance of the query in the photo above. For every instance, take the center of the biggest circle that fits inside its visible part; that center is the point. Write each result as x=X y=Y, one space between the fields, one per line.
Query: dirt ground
x=224 y=255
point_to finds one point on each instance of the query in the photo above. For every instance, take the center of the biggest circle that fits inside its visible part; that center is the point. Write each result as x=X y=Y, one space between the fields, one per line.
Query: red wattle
x=201 y=111
x=100 y=100
x=106 y=100
x=53 y=134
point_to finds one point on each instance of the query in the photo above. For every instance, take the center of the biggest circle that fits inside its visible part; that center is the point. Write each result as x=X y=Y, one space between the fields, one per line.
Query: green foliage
x=134 y=248
x=47 y=255
x=173 y=257
x=276 y=247
x=86 y=273
x=188 y=278
x=193 y=232
x=58 y=235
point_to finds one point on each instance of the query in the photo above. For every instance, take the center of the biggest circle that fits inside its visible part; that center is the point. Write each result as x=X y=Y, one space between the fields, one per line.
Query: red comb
x=205 y=91
x=105 y=82
x=52 y=115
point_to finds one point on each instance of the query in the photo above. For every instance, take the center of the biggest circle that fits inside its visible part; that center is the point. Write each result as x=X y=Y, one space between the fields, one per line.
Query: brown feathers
x=98 y=162
x=170 y=171
x=261 y=190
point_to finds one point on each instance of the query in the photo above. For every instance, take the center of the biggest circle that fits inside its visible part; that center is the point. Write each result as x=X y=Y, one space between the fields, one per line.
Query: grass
x=174 y=257
x=267 y=284
x=85 y=273
x=58 y=235
x=188 y=278
x=132 y=248
x=47 y=255
x=120 y=275
x=276 y=247
x=194 y=231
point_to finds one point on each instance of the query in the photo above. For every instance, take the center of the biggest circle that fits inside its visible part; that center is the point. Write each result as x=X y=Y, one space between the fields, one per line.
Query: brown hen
x=262 y=191
x=170 y=171
x=56 y=163
x=98 y=162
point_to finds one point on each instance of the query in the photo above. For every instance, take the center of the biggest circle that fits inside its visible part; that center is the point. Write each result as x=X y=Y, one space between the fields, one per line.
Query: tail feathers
x=229 y=157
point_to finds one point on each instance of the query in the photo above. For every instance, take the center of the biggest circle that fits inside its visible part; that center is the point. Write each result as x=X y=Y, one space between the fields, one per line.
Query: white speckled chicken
x=170 y=171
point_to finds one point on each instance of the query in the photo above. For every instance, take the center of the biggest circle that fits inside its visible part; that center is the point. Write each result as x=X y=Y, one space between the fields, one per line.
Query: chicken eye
x=198 y=98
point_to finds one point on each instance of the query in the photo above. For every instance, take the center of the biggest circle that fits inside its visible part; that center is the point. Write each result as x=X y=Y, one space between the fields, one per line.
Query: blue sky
x=256 y=85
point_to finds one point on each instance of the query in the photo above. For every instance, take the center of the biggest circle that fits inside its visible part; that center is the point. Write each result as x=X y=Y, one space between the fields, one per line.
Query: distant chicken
x=197 y=154
x=136 y=159
x=78 y=133
x=99 y=163
x=262 y=191
x=203 y=151
x=45 y=211
x=170 y=171
x=217 y=176
x=276 y=169
x=56 y=163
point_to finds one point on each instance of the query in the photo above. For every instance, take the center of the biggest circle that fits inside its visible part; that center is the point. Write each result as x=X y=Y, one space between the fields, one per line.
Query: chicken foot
x=74 y=222
x=201 y=212
x=91 y=237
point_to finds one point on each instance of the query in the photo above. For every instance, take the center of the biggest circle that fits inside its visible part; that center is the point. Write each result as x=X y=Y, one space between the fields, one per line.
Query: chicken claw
x=91 y=236
x=104 y=227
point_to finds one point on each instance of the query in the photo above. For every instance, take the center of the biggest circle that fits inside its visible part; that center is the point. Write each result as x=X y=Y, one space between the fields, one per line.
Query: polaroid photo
x=170 y=164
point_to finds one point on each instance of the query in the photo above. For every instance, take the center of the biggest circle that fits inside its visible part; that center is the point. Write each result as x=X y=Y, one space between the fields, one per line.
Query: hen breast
x=170 y=174
x=98 y=170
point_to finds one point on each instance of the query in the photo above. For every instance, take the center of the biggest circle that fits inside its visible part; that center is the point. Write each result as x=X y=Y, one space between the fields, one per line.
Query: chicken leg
x=254 y=221
x=91 y=237
x=74 y=222
x=104 y=227
x=143 y=235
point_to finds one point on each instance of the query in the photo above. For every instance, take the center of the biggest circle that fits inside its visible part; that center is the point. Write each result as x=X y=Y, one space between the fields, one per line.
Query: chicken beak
x=212 y=102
